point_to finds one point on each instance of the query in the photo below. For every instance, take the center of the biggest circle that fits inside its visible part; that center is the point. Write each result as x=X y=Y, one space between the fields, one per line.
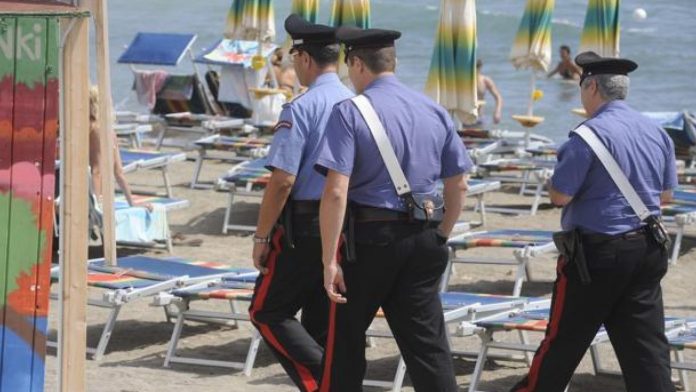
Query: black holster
x=286 y=221
x=569 y=244
x=348 y=248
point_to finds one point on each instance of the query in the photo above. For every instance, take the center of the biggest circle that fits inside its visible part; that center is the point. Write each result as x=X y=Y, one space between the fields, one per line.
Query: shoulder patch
x=282 y=124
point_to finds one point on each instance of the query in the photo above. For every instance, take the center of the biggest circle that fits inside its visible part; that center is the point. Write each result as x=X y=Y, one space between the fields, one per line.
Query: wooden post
x=75 y=157
x=99 y=13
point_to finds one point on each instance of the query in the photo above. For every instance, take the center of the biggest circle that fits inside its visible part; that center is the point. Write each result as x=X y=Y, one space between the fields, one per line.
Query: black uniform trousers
x=398 y=267
x=624 y=296
x=294 y=281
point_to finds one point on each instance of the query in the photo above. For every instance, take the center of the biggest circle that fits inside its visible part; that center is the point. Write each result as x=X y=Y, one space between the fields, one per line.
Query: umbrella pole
x=532 y=87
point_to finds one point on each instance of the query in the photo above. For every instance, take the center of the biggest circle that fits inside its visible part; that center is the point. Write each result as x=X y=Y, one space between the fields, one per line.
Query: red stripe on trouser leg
x=306 y=376
x=552 y=331
x=331 y=338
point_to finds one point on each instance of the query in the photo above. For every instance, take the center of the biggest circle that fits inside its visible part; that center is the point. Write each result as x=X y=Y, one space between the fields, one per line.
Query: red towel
x=148 y=84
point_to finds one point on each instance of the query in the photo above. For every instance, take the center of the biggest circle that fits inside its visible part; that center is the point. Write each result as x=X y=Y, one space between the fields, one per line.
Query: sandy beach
x=134 y=358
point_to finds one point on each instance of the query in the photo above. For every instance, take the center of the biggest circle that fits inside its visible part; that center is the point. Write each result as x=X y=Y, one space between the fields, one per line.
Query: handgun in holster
x=658 y=232
x=569 y=244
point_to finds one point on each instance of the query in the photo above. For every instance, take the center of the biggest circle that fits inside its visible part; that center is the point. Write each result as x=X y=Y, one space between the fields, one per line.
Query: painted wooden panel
x=28 y=127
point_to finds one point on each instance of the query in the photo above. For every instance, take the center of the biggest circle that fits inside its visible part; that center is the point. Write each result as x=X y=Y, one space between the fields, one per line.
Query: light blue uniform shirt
x=644 y=152
x=424 y=139
x=298 y=133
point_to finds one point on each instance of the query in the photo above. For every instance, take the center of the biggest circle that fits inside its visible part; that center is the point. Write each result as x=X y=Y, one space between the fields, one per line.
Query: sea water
x=664 y=46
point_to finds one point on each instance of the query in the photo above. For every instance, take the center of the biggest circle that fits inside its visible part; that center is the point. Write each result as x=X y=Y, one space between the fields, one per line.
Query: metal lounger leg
x=486 y=338
x=228 y=212
x=677 y=245
x=683 y=375
x=537 y=197
x=174 y=341
x=524 y=339
x=481 y=206
x=106 y=333
x=160 y=138
x=399 y=376
x=235 y=310
x=251 y=354
x=520 y=275
x=167 y=183
x=198 y=169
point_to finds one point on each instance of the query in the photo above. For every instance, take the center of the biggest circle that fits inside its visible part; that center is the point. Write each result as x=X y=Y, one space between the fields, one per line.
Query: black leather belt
x=305 y=207
x=598 y=237
x=369 y=214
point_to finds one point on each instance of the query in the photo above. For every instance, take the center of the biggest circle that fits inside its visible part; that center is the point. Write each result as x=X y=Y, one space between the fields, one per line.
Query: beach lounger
x=132 y=132
x=532 y=321
x=461 y=310
x=534 y=173
x=251 y=177
x=137 y=277
x=679 y=213
x=525 y=245
x=681 y=128
x=244 y=148
x=151 y=160
x=126 y=217
x=680 y=340
x=234 y=290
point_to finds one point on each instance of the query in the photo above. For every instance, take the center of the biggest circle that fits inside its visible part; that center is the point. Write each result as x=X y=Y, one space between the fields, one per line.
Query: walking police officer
x=617 y=282
x=289 y=256
x=399 y=242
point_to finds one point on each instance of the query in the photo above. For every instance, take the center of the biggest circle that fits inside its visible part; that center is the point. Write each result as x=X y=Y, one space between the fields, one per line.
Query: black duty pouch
x=569 y=244
x=425 y=207
x=657 y=231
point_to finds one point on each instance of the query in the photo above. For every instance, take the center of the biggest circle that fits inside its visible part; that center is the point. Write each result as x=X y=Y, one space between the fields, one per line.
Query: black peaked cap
x=303 y=32
x=594 y=64
x=355 y=38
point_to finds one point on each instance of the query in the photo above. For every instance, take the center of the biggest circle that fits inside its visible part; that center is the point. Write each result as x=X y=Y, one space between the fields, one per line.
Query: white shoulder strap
x=614 y=171
x=386 y=150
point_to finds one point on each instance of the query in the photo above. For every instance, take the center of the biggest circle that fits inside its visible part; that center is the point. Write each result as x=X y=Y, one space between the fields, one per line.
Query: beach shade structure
x=532 y=50
x=452 y=77
x=601 y=31
x=307 y=9
x=157 y=49
x=251 y=20
x=350 y=13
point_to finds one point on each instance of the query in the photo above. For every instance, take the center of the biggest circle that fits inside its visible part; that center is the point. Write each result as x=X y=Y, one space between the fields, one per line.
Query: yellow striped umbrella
x=251 y=20
x=601 y=31
x=452 y=77
x=308 y=9
x=532 y=47
x=350 y=13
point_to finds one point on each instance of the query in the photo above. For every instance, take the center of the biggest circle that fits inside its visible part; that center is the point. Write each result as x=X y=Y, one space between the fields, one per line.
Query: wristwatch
x=260 y=240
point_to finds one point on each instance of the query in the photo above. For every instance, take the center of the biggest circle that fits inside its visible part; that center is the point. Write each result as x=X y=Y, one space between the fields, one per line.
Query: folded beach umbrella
x=532 y=48
x=251 y=20
x=350 y=13
x=452 y=77
x=307 y=9
x=601 y=31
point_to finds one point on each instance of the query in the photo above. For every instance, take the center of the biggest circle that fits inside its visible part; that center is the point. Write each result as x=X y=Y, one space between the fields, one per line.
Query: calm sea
x=664 y=45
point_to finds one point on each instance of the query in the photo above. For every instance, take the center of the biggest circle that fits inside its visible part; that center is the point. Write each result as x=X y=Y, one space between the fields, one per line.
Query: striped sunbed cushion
x=253 y=172
x=169 y=203
x=533 y=320
x=220 y=290
x=503 y=239
x=164 y=269
x=673 y=209
x=453 y=300
x=233 y=143
x=518 y=164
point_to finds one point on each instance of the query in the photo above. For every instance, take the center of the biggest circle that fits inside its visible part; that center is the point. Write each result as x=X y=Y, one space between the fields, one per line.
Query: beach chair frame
x=679 y=363
x=209 y=143
x=521 y=259
x=231 y=318
x=115 y=299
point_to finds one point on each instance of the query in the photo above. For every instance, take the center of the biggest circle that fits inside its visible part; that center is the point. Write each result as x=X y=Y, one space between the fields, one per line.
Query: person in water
x=566 y=67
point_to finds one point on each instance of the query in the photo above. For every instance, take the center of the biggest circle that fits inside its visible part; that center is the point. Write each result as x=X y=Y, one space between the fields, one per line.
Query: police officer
x=623 y=262
x=289 y=256
x=398 y=261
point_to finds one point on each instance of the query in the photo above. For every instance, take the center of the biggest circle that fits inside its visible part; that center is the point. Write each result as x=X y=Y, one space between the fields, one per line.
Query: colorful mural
x=28 y=129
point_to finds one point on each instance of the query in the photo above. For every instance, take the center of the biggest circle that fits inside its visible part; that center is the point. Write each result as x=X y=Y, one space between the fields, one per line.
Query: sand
x=134 y=358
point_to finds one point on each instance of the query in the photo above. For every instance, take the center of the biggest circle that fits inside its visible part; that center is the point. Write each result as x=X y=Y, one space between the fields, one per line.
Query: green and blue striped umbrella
x=308 y=9
x=251 y=20
x=532 y=47
x=601 y=31
x=350 y=13
x=452 y=77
